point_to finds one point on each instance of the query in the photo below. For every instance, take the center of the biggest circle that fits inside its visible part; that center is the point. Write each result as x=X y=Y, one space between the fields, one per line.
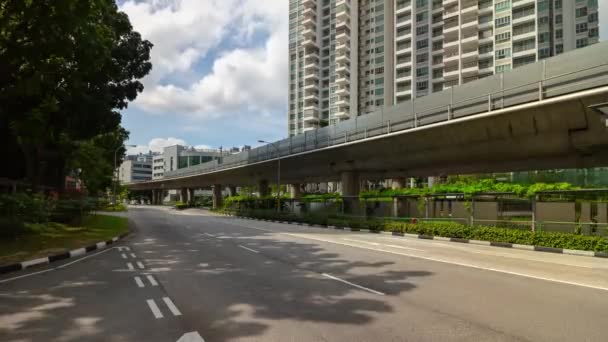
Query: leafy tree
x=66 y=69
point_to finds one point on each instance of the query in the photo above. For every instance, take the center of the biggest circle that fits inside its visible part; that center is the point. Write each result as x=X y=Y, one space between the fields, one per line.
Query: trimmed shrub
x=181 y=205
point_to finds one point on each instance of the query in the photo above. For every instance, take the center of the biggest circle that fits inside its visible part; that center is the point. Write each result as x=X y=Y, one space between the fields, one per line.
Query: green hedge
x=444 y=229
x=545 y=239
x=181 y=205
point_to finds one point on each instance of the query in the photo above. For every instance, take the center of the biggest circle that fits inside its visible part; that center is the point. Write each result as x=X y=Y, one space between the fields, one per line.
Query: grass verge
x=46 y=239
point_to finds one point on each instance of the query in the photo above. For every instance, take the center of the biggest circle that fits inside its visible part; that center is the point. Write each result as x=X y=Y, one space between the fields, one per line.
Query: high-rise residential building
x=352 y=57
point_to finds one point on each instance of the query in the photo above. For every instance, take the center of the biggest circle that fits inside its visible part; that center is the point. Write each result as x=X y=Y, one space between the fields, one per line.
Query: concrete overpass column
x=158 y=199
x=190 y=195
x=263 y=188
x=431 y=181
x=294 y=190
x=153 y=199
x=398 y=183
x=217 y=196
x=350 y=191
x=183 y=195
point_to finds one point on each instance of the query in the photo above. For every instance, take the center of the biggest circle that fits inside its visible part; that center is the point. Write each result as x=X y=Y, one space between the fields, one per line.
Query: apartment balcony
x=523 y=17
x=310 y=22
x=342 y=91
x=521 y=3
x=470 y=69
x=450 y=12
x=310 y=42
x=309 y=12
x=311 y=98
x=524 y=51
x=342 y=57
x=311 y=115
x=470 y=25
x=450 y=58
x=470 y=39
x=485 y=24
x=486 y=53
x=342 y=113
x=311 y=56
x=451 y=43
x=343 y=48
x=449 y=2
x=342 y=67
x=311 y=76
x=343 y=80
x=342 y=24
x=468 y=54
x=485 y=7
x=486 y=67
x=452 y=73
x=403 y=77
x=399 y=91
x=309 y=3
x=450 y=27
x=469 y=9
x=342 y=101
x=310 y=85
x=483 y=38
x=309 y=33
x=403 y=21
x=342 y=37
x=522 y=36
x=342 y=2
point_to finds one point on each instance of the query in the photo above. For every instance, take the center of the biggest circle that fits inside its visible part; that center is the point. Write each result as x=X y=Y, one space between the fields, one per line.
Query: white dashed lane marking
x=152 y=280
x=140 y=265
x=130 y=266
x=139 y=282
x=249 y=249
x=171 y=306
x=154 y=308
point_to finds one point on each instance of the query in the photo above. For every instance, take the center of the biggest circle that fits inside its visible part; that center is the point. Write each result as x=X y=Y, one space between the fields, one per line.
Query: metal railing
x=408 y=115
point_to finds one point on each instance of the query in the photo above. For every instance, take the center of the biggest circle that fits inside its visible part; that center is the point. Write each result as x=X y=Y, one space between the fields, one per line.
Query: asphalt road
x=231 y=279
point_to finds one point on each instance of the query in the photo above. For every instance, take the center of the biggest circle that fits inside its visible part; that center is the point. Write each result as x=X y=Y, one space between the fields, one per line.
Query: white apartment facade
x=352 y=57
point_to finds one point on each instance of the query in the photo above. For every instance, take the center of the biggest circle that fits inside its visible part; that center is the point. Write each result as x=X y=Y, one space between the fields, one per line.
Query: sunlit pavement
x=225 y=278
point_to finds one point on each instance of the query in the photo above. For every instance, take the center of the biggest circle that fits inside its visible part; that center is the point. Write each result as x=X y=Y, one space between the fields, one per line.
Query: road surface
x=227 y=279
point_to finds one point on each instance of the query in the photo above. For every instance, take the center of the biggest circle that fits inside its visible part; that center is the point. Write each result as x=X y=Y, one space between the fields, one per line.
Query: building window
x=424 y=85
x=582 y=27
x=503 y=21
x=581 y=43
x=581 y=12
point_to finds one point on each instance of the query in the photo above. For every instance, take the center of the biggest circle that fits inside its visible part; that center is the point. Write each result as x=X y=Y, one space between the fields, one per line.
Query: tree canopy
x=67 y=67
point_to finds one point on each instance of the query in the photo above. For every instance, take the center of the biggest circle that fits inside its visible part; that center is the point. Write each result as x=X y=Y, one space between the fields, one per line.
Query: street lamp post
x=278 y=172
x=116 y=171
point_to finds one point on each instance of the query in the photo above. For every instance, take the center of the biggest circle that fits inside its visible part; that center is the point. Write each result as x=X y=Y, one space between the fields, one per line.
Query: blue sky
x=219 y=73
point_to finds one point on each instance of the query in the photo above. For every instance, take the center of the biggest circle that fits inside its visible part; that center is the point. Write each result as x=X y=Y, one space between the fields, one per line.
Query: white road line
x=455 y=263
x=152 y=280
x=384 y=244
x=130 y=266
x=139 y=282
x=155 y=310
x=127 y=248
x=352 y=284
x=123 y=255
x=435 y=259
x=133 y=255
x=193 y=336
x=249 y=249
x=172 y=306
x=208 y=234
x=140 y=265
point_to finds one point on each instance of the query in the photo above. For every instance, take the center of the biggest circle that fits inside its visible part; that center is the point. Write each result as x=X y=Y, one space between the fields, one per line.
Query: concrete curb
x=474 y=242
x=56 y=257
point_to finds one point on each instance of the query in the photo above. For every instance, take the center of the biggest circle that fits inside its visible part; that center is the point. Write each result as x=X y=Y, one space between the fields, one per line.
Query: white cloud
x=156 y=145
x=242 y=82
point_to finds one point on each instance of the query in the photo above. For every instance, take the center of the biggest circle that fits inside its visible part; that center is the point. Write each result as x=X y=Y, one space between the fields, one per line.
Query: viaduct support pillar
x=154 y=195
x=190 y=196
x=217 y=196
x=183 y=195
x=294 y=190
x=350 y=192
x=263 y=188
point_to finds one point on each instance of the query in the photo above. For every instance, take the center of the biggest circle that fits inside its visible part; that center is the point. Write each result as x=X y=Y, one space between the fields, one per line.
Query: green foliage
x=118 y=207
x=67 y=68
x=322 y=197
x=181 y=205
x=444 y=229
x=469 y=187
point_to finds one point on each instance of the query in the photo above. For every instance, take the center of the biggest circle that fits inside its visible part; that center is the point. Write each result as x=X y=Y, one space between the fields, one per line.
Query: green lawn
x=56 y=238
